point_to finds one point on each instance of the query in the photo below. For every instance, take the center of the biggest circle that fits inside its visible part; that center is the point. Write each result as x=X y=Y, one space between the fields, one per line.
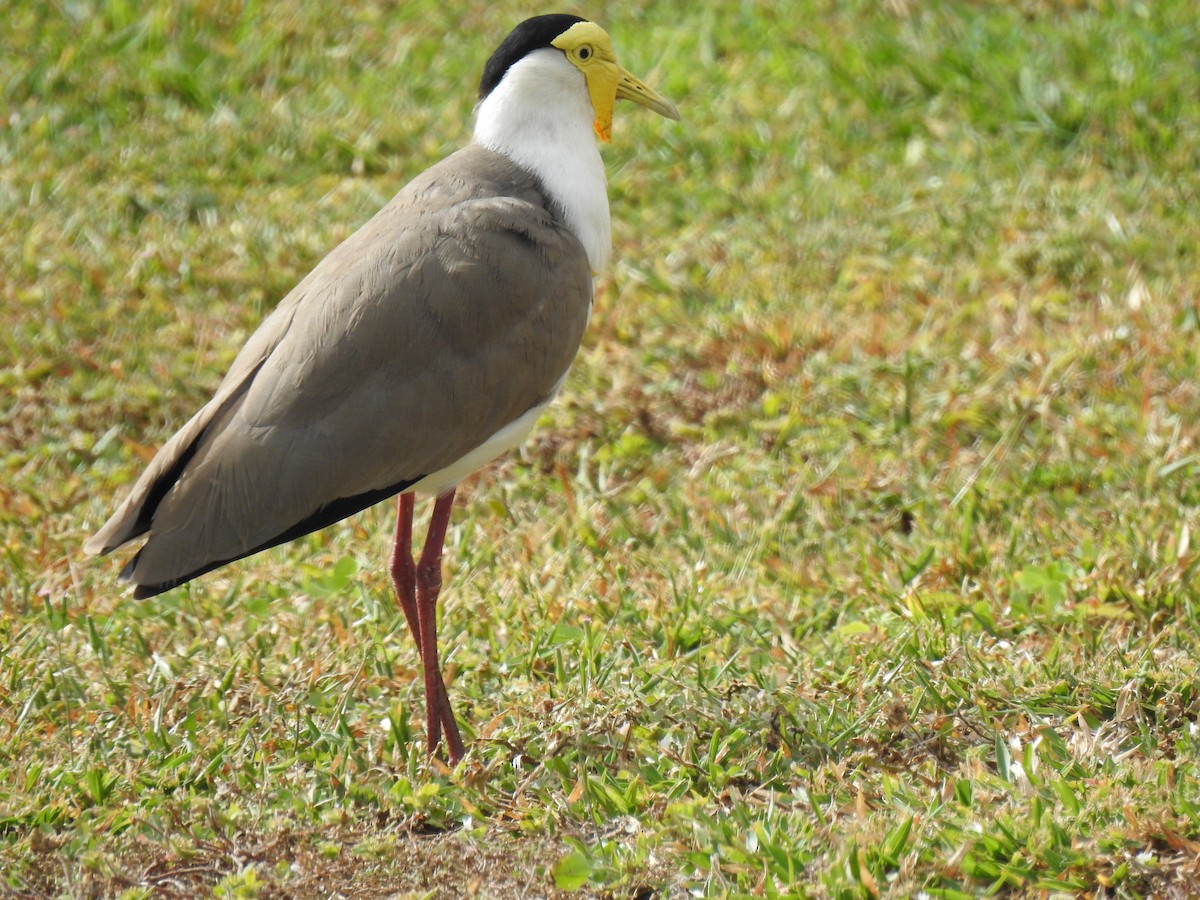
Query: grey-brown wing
x=448 y=316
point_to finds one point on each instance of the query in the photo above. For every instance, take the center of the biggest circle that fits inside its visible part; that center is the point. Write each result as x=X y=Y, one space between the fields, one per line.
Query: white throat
x=540 y=117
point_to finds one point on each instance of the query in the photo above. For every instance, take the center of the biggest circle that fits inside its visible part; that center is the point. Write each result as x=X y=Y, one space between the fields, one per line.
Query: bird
x=416 y=352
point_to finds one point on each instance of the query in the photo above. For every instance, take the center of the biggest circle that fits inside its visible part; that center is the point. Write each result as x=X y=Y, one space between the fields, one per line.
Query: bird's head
x=589 y=48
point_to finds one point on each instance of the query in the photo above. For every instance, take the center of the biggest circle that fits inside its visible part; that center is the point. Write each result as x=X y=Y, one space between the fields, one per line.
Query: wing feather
x=456 y=309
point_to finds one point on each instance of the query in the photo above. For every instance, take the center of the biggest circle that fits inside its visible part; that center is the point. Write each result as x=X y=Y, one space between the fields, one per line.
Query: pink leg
x=404 y=570
x=417 y=588
x=438 y=713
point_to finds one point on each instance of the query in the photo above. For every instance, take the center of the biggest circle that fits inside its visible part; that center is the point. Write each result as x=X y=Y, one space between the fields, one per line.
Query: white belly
x=506 y=438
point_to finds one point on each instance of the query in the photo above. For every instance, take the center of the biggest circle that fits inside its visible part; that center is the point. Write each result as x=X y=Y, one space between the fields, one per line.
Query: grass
x=857 y=559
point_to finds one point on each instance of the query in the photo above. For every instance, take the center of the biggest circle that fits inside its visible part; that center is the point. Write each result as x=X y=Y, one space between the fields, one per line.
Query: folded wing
x=455 y=310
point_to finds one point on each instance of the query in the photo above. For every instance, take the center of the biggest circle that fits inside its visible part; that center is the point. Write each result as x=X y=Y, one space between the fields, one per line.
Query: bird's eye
x=585 y=52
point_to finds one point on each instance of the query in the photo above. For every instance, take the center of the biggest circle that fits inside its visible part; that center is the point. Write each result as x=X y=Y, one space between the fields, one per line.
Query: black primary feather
x=326 y=515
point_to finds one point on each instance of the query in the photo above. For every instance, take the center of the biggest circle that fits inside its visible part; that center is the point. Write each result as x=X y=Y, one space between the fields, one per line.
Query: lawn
x=857 y=559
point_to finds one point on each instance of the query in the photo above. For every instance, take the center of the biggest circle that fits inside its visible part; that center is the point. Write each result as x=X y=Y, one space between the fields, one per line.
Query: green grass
x=858 y=558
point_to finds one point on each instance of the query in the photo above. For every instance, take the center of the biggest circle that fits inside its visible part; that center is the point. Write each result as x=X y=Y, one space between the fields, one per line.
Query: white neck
x=540 y=117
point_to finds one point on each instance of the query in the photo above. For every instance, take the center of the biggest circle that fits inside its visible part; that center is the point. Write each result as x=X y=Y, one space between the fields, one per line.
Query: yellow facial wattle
x=589 y=47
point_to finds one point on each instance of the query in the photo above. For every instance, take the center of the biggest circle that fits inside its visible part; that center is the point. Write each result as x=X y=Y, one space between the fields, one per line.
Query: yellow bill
x=590 y=48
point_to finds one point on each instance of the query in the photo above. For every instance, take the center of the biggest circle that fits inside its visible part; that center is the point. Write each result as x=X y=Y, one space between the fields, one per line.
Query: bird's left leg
x=429 y=583
x=404 y=568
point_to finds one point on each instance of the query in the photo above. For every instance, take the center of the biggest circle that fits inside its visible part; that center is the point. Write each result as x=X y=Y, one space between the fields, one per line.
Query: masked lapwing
x=417 y=351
